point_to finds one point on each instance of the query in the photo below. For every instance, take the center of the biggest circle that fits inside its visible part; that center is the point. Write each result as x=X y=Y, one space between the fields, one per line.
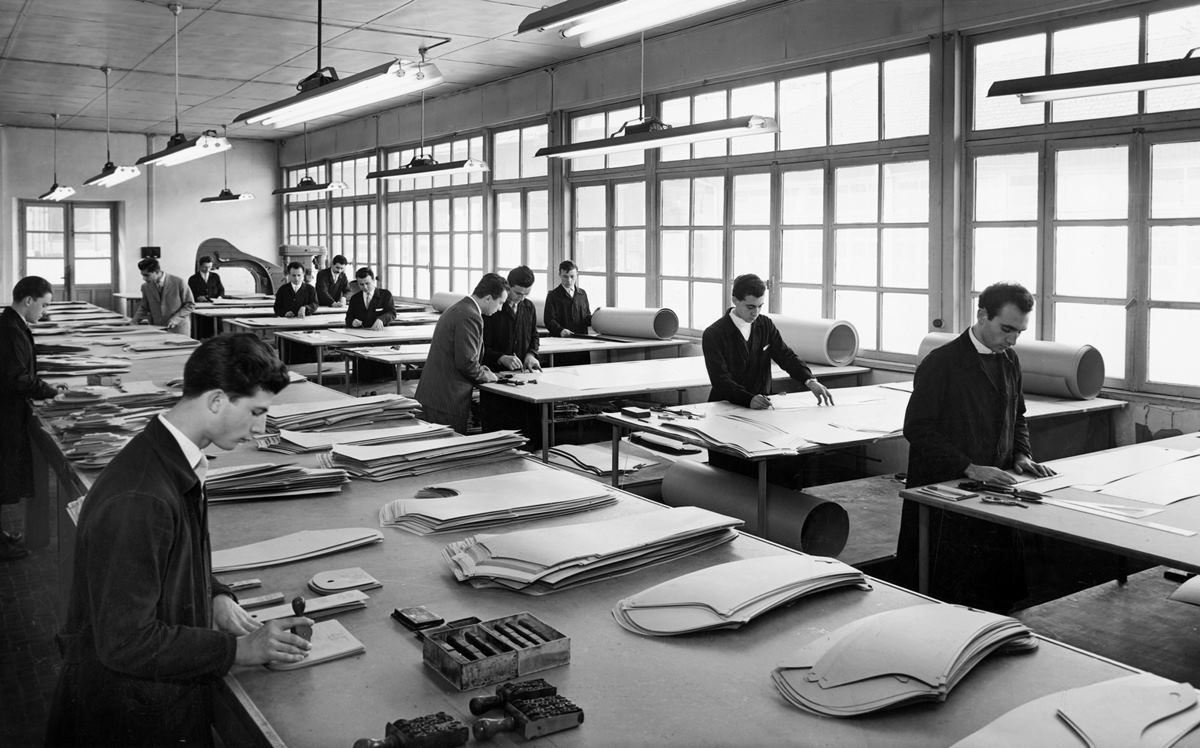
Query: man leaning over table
x=966 y=420
x=510 y=343
x=205 y=283
x=166 y=299
x=332 y=283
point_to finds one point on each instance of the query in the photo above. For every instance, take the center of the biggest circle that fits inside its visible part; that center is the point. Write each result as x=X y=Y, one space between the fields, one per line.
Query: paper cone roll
x=636 y=323
x=832 y=342
x=1047 y=368
x=443 y=300
x=796 y=519
x=539 y=306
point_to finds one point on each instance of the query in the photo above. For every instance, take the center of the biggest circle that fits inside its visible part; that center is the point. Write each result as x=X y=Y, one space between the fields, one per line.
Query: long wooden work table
x=711 y=689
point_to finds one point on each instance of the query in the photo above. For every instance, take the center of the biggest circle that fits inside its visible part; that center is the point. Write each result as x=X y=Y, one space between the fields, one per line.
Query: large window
x=609 y=242
x=305 y=214
x=72 y=245
x=521 y=203
x=692 y=248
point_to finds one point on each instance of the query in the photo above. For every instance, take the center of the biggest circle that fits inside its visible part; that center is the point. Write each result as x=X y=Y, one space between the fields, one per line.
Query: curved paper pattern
x=1047 y=368
x=443 y=300
x=636 y=323
x=833 y=342
x=796 y=519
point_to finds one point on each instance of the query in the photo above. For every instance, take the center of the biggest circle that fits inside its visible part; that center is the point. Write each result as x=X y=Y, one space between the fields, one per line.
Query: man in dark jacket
x=19 y=383
x=510 y=336
x=332 y=283
x=295 y=298
x=205 y=284
x=567 y=312
x=372 y=307
x=966 y=419
x=149 y=629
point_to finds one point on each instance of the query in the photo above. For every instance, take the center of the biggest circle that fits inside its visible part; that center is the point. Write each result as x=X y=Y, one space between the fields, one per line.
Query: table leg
x=320 y=364
x=346 y=362
x=923 y=541
x=762 y=499
x=37 y=507
x=545 y=432
x=616 y=455
x=399 y=377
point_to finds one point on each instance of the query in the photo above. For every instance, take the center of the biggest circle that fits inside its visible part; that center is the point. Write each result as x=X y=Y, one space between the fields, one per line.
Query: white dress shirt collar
x=742 y=325
x=979 y=347
x=191 y=452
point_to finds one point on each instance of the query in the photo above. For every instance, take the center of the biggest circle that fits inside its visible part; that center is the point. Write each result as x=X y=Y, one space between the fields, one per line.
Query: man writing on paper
x=166 y=299
x=295 y=298
x=966 y=419
x=204 y=283
x=452 y=368
x=372 y=307
x=332 y=283
x=149 y=629
x=510 y=336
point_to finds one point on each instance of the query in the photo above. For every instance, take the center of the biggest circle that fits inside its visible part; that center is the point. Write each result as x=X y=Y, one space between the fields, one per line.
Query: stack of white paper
x=549 y=559
x=594 y=458
x=271 y=481
x=730 y=595
x=895 y=658
x=299 y=442
x=296 y=546
x=325 y=414
x=76 y=364
x=494 y=500
x=419 y=456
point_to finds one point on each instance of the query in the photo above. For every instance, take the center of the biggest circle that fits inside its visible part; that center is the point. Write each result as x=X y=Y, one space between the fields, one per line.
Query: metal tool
x=506 y=692
x=531 y=718
x=1033 y=497
x=1003 y=501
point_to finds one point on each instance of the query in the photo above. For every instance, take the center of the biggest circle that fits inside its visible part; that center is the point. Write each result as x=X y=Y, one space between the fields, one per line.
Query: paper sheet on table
x=1162 y=485
x=321 y=439
x=1100 y=468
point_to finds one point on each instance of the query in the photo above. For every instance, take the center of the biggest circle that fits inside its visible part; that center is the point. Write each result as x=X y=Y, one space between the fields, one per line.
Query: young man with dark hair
x=966 y=419
x=452 y=368
x=149 y=629
x=372 y=307
x=567 y=312
x=332 y=283
x=19 y=383
x=166 y=299
x=205 y=284
x=295 y=298
x=510 y=336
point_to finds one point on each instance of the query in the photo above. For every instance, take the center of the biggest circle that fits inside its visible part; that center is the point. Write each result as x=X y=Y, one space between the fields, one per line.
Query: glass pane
x=406 y=250
x=1090 y=261
x=532 y=139
x=858 y=308
x=708 y=255
x=421 y=211
x=1006 y=187
x=676 y=202
x=802 y=109
x=751 y=252
x=676 y=112
x=508 y=210
x=584 y=128
x=596 y=289
x=51 y=270
x=393 y=279
x=803 y=196
x=631 y=291
x=757 y=99
x=1102 y=327
x=675 y=298
x=906 y=192
x=856 y=194
x=752 y=199
x=1169 y=361
x=631 y=251
x=441 y=250
x=406 y=216
x=476 y=212
x=537 y=251
x=906 y=97
x=93 y=272
x=855 y=95
x=441 y=280
x=1169 y=36
x=589 y=207
x=44 y=217
x=461 y=214
x=904 y=259
x=44 y=245
x=801 y=302
x=508 y=250
x=441 y=215
x=707 y=108
x=1175 y=180
x=93 y=245
x=477 y=250
x=802 y=255
x=855 y=257
x=1092 y=183
x=422 y=249
x=422 y=290
x=631 y=204
x=1096 y=45
x=708 y=303
x=674 y=247
x=92 y=219
x=590 y=250
x=1022 y=57
x=460 y=281
x=905 y=322
x=708 y=201
x=1175 y=263
x=617 y=119
x=1006 y=253
x=538 y=206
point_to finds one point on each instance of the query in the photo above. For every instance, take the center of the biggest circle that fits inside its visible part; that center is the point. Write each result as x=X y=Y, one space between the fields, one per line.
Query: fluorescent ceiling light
x=423 y=166
x=378 y=84
x=180 y=149
x=654 y=134
x=226 y=196
x=1101 y=81
x=597 y=21
x=309 y=185
x=57 y=193
x=112 y=175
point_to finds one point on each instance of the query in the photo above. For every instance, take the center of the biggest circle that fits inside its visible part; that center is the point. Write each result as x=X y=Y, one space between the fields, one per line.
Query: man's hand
x=989 y=474
x=565 y=333
x=760 y=402
x=339 y=302
x=1025 y=464
x=203 y=299
x=231 y=617
x=301 y=313
x=290 y=314
x=378 y=325
x=273 y=642
x=488 y=376
x=532 y=363
x=143 y=322
x=356 y=323
x=821 y=391
x=510 y=362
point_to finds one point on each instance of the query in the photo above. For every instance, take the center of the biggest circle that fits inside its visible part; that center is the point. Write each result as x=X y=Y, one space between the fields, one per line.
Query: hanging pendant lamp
x=56 y=193
x=307 y=184
x=111 y=175
x=227 y=195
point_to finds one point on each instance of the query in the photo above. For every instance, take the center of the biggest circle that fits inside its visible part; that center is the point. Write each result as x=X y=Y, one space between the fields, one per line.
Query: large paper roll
x=1047 y=368
x=832 y=342
x=796 y=519
x=539 y=306
x=443 y=300
x=636 y=323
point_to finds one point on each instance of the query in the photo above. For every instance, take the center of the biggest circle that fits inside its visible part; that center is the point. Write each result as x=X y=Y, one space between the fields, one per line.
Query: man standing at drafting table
x=966 y=419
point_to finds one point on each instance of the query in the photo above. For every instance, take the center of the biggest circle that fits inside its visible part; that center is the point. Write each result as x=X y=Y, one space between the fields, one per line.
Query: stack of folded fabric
x=550 y=559
x=730 y=595
x=895 y=658
x=325 y=414
x=387 y=461
x=315 y=607
x=594 y=458
x=271 y=481
x=75 y=364
x=296 y=546
x=299 y=442
x=494 y=500
x=1138 y=710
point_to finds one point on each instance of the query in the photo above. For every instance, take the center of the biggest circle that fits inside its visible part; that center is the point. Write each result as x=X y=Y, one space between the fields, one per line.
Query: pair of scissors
x=1022 y=494
x=1000 y=500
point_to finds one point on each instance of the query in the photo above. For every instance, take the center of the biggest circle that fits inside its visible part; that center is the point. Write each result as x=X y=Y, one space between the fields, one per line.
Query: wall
x=161 y=207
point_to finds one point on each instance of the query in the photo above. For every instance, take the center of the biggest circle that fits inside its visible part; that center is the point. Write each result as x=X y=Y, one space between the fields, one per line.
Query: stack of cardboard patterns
x=299 y=442
x=76 y=364
x=550 y=559
x=271 y=481
x=494 y=500
x=730 y=595
x=296 y=546
x=324 y=415
x=93 y=451
x=895 y=658
x=111 y=401
x=58 y=346
x=402 y=459
x=595 y=459
x=341 y=580
x=728 y=428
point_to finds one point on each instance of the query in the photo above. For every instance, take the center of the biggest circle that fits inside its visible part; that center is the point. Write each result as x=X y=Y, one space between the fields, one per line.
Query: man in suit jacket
x=166 y=299
x=332 y=283
x=567 y=312
x=19 y=383
x=372 y=307
x=149 y=631
x=966 y=419
x=452 y=368
x=205 y=284
x=510 y=336
x=295 y=298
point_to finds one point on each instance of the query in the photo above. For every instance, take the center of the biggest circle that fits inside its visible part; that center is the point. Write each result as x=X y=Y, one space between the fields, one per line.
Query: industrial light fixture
x=111 y=175
x=648 y=131
x=307 y=184
x=1119 y=79
x=597 y=21
x=181 y=149
x=57 y=192
x=227 y=195
x=424 y=164
x=323 y=93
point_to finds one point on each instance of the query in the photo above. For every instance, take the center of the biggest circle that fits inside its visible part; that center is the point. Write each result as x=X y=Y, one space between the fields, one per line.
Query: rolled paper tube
x=539 y=306
x=1047 y=368
x=443 y=300
x=832 y=342
x=636 y=323
x=796 y=519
